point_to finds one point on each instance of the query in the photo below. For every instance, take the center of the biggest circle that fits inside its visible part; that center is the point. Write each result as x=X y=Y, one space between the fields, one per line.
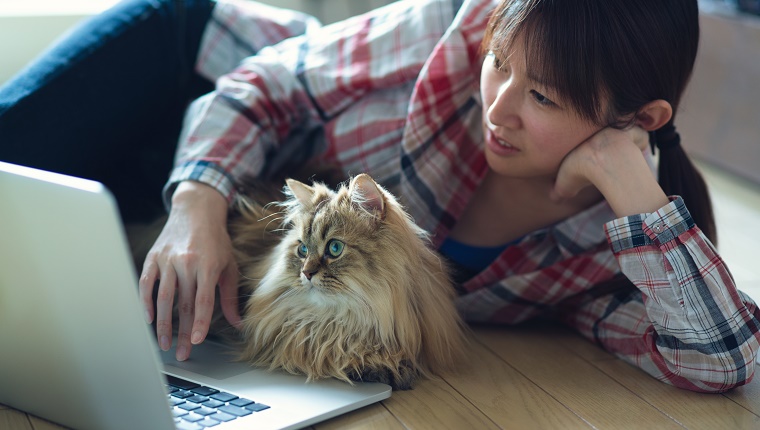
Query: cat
x=343 y=284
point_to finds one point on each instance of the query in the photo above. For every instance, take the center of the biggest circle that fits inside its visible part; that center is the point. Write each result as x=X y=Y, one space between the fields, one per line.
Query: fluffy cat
x=345 y=287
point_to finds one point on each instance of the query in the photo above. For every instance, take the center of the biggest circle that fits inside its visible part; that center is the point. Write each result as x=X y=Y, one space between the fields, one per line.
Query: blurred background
x=28 y=26
x=719 y=118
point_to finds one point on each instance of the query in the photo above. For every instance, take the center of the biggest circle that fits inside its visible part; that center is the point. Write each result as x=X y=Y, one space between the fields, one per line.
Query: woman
x=515 y=132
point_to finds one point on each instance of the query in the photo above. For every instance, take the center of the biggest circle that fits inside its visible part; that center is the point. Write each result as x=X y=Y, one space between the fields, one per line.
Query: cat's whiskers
x=278 y=217
x=270 y=215
x=270 y=204
x=242 y=275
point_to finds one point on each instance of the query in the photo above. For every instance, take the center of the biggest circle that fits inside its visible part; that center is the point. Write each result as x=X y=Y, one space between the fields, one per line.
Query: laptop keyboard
x=197 y=407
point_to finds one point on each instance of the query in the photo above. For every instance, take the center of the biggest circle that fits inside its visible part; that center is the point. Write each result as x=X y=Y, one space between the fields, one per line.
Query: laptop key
x=208 y=422
x=179 y=412
x=197 y=399
x=204 y=391
x=191 y=417
x=181 y=394
x=184 y=425
x=189 y=406
x=240 y=402
x=222 y=417
x=213 y=403
x=256 y=407
x=235 y=410
x=181 y=383
x=223 y=397
x=205 y=411
x=175 y=401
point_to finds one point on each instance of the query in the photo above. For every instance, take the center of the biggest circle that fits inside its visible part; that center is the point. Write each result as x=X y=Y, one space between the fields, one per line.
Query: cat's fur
x=382 y=310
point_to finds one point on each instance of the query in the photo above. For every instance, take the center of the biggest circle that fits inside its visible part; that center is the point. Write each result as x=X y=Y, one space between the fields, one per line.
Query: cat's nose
x=309 y=272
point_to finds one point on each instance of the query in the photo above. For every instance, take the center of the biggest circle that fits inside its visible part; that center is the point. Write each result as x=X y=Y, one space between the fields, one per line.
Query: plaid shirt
x=394 y=93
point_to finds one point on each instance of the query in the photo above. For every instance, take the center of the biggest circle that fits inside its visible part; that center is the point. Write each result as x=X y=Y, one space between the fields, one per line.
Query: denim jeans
x=106 y=102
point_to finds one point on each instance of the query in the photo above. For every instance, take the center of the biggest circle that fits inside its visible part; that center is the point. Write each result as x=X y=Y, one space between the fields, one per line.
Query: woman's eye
x=541 y=99
x=302 y=250
x=497 y=64
x=335 y=248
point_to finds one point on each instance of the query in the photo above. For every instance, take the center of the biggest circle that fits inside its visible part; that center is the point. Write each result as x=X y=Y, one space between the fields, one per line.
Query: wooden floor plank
x=40 y=424
x=433 y=404
x=507 y=397
x=13 y=419
x=692 y=410
x=748 y=396
x=372 y=417
x=572 y=380
x=578 y=345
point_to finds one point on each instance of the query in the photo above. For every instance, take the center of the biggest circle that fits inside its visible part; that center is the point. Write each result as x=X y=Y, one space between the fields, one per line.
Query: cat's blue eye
x=302 y=250
x=335 y=248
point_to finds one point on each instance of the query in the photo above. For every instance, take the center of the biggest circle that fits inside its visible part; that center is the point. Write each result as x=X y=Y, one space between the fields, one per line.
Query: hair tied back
x=664 y=138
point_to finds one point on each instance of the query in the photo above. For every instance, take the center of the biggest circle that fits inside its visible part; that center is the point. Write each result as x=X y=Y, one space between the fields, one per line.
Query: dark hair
x=625 y=52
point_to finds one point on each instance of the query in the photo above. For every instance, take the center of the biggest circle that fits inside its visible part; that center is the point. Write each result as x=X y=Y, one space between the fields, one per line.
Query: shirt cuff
x=656 y=228
x=204 y=172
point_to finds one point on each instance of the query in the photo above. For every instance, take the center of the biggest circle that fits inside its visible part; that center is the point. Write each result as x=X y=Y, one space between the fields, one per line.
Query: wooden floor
x=547 y=377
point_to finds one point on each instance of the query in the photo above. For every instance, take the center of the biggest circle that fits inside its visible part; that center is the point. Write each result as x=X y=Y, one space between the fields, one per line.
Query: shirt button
x=658 y=227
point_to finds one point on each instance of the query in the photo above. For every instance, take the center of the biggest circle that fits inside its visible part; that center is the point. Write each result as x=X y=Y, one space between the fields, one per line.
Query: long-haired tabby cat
x=345 y=287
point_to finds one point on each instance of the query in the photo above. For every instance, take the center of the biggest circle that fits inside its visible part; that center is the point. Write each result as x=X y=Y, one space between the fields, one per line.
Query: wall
x=27 y=27
x=719 y=118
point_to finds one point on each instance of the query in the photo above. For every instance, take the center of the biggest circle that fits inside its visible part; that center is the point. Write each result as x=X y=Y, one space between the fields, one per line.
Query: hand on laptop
x=192 y=255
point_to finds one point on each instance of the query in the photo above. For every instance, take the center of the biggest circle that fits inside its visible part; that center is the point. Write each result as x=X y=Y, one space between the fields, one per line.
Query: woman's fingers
x=164 y=304
x=193 y=288
x=204 y=305
x=186 y=310
x=146 y=284
x=192 y=284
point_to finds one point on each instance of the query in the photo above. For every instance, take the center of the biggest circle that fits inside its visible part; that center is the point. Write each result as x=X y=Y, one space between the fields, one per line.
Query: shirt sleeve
x=685 y=323
x=270 y=111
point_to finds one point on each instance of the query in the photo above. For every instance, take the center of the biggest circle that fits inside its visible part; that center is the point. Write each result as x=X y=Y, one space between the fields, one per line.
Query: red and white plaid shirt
x=394 y=93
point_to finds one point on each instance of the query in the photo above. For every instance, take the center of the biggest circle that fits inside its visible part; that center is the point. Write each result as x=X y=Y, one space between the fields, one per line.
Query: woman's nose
x=504 y=111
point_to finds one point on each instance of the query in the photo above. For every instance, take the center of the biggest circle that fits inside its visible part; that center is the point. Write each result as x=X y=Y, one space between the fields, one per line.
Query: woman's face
x=528 y=129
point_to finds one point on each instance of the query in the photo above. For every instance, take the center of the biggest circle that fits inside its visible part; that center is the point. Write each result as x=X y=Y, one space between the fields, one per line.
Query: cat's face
x=335 y=239
x=323 y=251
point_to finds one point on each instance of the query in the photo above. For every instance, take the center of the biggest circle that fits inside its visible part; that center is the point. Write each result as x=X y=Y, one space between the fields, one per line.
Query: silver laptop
x=74 y=347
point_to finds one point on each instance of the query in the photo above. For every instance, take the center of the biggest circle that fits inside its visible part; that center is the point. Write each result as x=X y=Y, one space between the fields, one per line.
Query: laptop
x=75 y=349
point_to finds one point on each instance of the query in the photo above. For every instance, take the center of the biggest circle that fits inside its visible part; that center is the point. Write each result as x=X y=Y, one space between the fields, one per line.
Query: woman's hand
x=612 y=161
x=192 y=255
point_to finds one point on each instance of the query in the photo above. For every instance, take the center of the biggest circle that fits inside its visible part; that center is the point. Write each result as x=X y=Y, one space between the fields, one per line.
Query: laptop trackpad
x=210 y=359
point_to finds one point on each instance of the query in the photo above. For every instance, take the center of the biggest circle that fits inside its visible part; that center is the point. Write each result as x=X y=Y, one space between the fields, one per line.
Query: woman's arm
x=275 y=104
x=686 y=323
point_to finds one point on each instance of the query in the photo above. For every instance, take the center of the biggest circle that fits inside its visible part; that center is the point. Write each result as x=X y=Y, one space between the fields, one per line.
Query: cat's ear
x=367 y=196
x=302 y=192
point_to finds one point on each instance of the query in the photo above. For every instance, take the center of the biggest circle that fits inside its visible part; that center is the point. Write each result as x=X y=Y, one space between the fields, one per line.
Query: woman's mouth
x=499 y=146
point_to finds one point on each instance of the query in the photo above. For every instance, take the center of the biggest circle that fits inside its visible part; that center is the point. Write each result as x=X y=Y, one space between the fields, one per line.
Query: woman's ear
x=654 y=115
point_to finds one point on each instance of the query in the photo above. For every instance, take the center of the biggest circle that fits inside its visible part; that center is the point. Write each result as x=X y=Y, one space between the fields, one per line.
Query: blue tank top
x=473 y=258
